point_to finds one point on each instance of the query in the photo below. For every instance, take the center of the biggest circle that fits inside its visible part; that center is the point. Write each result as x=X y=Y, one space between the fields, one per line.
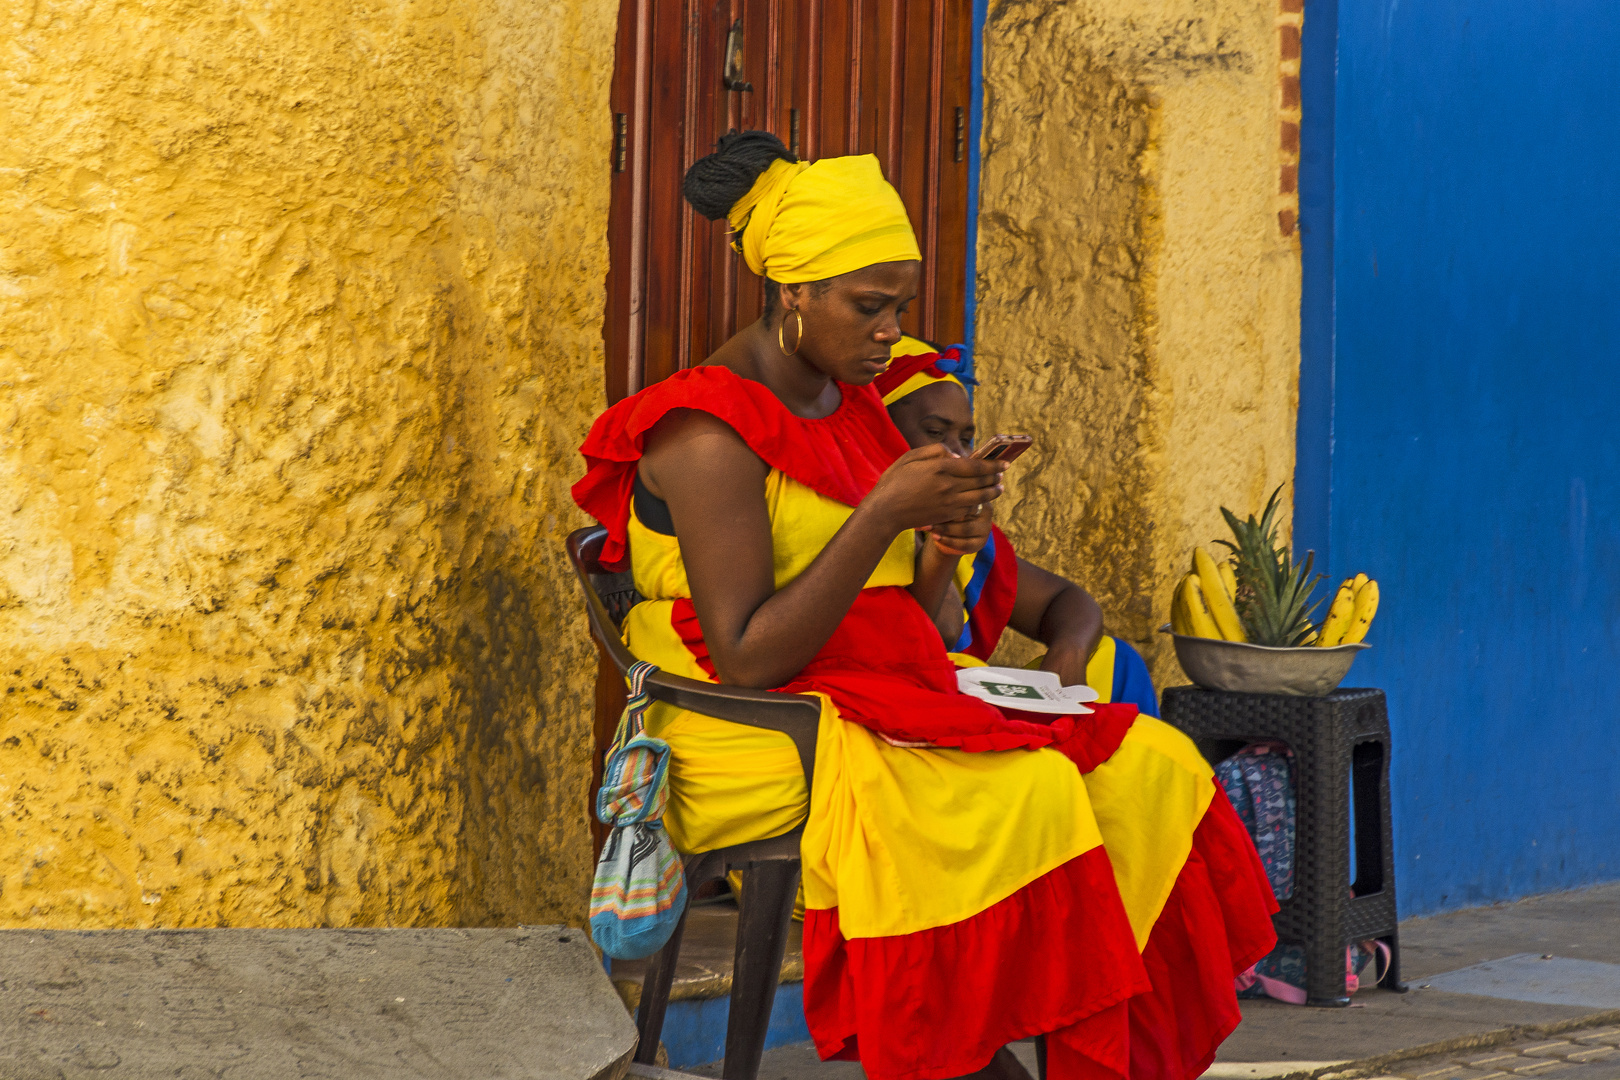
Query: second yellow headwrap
x=811 y=221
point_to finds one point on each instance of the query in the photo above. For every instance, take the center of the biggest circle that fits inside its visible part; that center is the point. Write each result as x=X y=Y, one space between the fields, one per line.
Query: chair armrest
x=798 y=716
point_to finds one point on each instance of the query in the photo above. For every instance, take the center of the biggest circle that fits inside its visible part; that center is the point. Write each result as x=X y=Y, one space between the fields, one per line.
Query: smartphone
x=1003 y=447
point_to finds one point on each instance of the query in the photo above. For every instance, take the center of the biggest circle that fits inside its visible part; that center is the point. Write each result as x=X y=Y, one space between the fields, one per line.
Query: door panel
x=828 y=77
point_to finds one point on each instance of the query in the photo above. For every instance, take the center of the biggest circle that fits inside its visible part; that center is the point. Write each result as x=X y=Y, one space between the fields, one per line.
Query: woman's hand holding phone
x=930 y=485
x=933 y=490
x=964 y=536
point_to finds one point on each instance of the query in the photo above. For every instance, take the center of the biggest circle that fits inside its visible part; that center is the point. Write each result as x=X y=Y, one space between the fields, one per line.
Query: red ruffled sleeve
x=840 y=456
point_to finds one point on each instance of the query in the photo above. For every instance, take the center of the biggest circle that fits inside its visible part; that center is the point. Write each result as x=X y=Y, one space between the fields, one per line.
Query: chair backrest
x=609 y=595
x=617 y=591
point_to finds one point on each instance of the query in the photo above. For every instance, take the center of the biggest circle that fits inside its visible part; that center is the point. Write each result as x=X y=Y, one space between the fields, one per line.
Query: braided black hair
x=714 y=184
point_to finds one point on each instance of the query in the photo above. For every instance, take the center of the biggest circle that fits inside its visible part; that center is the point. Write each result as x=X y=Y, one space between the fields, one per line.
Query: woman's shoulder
x=840 y=456
x=748 y=407
x=714 y=390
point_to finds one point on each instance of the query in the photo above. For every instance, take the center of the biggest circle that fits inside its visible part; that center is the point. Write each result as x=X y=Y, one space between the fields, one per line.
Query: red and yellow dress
x=958 y=893
x=1194 y=888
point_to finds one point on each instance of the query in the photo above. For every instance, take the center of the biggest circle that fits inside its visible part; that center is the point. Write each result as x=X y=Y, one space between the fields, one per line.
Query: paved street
x=1582 y=1054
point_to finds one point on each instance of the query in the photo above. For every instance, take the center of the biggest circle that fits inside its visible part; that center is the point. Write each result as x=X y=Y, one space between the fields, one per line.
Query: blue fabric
x=960 y=365
x=982 y=562
x=1132 y=683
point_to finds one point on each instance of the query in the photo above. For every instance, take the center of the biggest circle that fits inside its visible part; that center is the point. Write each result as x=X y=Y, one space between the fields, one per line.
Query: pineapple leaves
x=1273 y=594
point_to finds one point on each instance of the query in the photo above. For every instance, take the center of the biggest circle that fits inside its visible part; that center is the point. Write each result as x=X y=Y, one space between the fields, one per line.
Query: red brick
x=1290 y=91
x=1289 y=36
x=1289 y=137
x=1289 y=181
x=1285 y=222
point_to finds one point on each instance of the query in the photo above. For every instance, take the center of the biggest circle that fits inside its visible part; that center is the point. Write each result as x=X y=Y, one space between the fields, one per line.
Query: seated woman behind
x=958 y=894
x=995 y=588
x=1187 y=872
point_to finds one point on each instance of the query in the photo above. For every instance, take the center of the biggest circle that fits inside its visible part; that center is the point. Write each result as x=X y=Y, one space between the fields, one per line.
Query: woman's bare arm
x=1062 y=616
x=715 y=488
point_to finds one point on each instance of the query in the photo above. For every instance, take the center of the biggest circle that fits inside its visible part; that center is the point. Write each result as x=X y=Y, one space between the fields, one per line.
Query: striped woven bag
x=640 y=889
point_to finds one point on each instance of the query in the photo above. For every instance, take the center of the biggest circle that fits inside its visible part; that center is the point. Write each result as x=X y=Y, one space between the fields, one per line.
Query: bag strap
x=630 y=722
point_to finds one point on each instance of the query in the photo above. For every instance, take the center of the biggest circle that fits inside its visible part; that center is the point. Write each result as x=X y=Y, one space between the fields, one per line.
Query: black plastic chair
x=770 y=868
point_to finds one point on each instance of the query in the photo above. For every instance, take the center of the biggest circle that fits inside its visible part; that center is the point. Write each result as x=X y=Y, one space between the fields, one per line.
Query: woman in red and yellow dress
x=957 y=889
x=1193 y=887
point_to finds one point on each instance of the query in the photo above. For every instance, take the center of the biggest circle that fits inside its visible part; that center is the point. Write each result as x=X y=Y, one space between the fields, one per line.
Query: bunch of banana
x=1205 y=601
x=1351 y=614
x=1205 y=605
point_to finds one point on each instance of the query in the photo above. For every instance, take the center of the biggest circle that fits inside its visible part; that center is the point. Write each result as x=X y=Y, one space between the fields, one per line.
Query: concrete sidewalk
x=1381 y=1030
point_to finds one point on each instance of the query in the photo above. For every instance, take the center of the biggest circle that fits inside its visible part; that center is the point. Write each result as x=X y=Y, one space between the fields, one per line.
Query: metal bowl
x=1306 y=671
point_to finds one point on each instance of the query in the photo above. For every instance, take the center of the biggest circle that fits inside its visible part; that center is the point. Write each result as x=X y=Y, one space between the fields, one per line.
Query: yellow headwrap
x=811 y=221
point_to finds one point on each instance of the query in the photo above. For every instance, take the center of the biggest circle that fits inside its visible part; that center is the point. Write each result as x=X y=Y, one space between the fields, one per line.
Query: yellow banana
x=1179 y=622
x=1339 y=615
x=1366 y=608
x=1216 y=597
x=1199 y=619
x=1357 y=582
x=1229 y=578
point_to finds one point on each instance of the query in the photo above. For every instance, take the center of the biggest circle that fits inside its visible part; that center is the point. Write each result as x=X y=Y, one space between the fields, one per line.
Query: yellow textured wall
x=300 y=316
x=1138 y=300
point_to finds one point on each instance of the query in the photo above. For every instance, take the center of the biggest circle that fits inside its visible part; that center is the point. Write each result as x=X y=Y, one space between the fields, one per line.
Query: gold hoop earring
x=781 y=337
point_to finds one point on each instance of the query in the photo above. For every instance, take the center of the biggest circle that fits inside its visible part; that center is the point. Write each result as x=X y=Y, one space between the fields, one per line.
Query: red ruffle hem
x=1056 y=957
x=1215 y=924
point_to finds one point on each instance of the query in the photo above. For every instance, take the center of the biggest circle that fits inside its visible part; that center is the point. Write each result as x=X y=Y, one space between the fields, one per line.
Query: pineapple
x=1273 y=597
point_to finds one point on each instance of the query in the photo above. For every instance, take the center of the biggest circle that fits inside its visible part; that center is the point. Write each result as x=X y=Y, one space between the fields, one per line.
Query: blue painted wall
x=1460 y=418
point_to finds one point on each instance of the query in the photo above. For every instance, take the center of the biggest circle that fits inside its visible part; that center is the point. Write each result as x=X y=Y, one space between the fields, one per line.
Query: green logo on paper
x=1012 y=690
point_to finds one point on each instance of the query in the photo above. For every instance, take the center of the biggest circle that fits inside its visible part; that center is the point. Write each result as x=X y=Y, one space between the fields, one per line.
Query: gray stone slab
x=531 y=1003
x=1554 y=980
x=1583 y=924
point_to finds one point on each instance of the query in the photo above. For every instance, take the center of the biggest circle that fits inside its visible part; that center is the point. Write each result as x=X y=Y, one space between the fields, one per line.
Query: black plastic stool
x=1340 y=742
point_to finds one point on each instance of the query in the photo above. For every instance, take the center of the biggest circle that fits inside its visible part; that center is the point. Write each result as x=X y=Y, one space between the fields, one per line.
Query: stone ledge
x=364 y=1004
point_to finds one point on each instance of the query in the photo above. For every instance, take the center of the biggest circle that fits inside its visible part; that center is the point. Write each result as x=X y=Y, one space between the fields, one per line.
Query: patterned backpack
x=640 y=887
x=1259 y=779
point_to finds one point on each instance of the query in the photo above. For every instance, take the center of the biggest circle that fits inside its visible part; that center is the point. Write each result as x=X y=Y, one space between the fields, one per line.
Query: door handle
x=732 y=78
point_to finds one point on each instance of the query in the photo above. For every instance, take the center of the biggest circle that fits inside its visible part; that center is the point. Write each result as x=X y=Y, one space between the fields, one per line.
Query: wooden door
x=828 y=77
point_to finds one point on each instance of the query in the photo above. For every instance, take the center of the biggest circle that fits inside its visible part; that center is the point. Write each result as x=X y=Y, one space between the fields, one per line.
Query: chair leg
x=1040 y=1057
x=1004 y=1066
x=655 y=995
x=766 y=911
